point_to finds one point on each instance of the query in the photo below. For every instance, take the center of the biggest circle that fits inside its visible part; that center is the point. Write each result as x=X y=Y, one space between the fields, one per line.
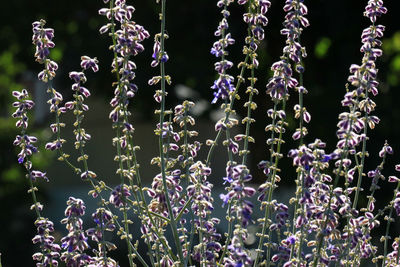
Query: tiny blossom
x=119 y=195
x=374 y=9
x=87 y=62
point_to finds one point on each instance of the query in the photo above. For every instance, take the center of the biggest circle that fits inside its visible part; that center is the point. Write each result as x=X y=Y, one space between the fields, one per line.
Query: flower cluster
x=392 y=259
x=128 y=43
x=200 y=191
x=43 y=40
x=75 y=243
x=241 y=209
x=79 y=107
x=364 y=79
x=224 y=84
x=24 y=141
x=103 y=222
x=50 y=251
x=119 y=195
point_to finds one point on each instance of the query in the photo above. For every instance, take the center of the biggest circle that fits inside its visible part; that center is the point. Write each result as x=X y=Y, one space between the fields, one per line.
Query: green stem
x=229 y=234
x=271 y=189
x=122 y=184
x=33 y=194
x=186 y=146
x=161 y=141
x=191 y=237
x=227 y=111
x=248 y=122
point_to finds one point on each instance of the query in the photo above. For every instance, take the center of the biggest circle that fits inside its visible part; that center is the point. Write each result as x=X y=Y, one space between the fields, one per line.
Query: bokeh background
x=332 y=43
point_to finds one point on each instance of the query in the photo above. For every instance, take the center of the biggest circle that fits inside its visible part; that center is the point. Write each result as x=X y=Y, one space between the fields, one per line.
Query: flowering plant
x=322 y=224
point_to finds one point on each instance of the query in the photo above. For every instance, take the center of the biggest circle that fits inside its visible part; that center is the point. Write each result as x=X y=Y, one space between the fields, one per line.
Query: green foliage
x=322 y=47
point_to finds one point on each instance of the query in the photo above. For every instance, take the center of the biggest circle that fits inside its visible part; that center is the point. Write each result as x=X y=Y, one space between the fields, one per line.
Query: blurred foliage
x=322 y=47
x=391 y=47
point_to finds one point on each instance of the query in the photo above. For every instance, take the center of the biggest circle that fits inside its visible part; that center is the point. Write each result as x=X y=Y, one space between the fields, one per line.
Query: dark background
x=332 y=42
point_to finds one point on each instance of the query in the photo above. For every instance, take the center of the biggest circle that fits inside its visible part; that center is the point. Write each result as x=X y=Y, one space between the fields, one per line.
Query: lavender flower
x=75 y=243
x=49 y=250
x=25 y=142
x=374 y=9
x=119 y=196
x=224 y=84
x=104 y=222
x=81 y=136
x=392 y=259
x=326 y=216
x=200 y=191
x=128 y=43
x=46 y=240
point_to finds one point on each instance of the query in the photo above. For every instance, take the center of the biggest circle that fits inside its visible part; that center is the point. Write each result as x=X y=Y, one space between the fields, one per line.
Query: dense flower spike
x=25 y=142
x=278 y=88
x=75 y=243
x=224 y=84
x=352 y=132
x=42 y=39
x=103 y=222
x=49 y=250
x=80 y=93
x=127 y=38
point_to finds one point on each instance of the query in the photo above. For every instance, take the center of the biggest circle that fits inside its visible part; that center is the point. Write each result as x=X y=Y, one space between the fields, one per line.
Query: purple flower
x=223 y=87
x=75 y=243
x=374 y=9
x=119 y=195
x=87 y=62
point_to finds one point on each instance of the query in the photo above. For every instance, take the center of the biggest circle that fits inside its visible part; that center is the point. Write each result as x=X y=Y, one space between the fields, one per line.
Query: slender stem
x=161 y=141
x=271 y=189
x=363 y=154
x=228 y=110
x=229 y=234
x=248 y=122
x=33 y=194
x=187 y=172
x=191 y=237
x=124 y=208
